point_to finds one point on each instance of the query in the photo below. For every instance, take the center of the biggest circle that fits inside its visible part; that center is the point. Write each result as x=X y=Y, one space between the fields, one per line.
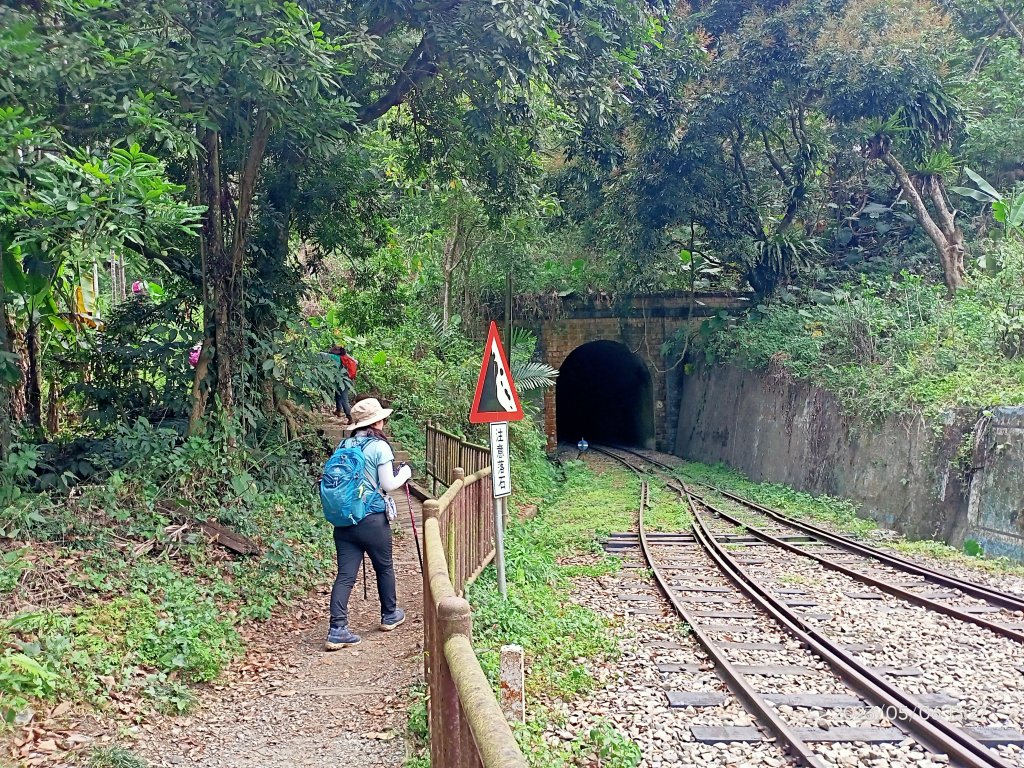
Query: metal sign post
x=496 y=403
x=501 y=483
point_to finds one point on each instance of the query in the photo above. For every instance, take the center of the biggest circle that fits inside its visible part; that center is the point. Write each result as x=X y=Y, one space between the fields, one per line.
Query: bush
x=146 y=606
x=885 y=347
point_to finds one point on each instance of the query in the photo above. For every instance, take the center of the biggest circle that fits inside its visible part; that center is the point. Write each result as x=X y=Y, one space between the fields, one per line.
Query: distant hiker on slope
x=351 y=367
x=353 y=492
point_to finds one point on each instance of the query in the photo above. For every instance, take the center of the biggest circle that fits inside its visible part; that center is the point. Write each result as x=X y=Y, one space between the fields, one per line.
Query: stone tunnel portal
x=604 y=393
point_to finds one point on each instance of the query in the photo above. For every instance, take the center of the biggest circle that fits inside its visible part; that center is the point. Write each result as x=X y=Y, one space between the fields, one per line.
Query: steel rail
x=733 y=679
x=989 y=594
x=933 y=732
x=892 y=589
x=1006 y=600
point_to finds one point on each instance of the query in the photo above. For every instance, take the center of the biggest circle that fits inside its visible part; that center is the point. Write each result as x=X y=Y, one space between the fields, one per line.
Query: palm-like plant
x=526 y=373
x=778 y=256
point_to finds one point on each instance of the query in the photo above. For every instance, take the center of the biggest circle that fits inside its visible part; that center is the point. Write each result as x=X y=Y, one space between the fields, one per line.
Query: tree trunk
x=451 y=256
x=53 y=409
x=16 y=394
x=34 y=379
x=200 y=393
x=944 y=234
x=5 y=390
x=467 y=273
x=952 y=256
x=211 y=245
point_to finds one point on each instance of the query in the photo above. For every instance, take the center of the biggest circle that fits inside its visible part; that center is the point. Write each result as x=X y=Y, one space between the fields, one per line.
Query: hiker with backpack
x=351 y=366
x=353 y=492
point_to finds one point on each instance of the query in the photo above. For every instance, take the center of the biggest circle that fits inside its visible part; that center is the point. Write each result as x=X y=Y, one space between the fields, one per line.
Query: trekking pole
x=415 y=535
x=365 y=594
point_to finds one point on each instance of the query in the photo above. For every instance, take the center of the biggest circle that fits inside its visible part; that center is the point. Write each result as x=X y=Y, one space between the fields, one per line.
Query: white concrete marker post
x=501 y=483
x=512 y=690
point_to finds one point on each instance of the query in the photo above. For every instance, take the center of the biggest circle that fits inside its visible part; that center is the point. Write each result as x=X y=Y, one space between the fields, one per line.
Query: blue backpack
x=347 y=486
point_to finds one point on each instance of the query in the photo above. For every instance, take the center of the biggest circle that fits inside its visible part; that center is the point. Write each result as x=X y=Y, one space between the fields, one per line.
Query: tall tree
x=244 y=96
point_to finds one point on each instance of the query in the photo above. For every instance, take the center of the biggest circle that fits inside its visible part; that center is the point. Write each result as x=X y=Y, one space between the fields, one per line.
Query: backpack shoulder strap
x=369 y=471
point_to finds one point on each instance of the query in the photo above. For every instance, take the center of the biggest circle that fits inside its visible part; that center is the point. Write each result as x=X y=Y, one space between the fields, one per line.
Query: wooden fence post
x=453 y=614
x=433 y=651
x=512 y=694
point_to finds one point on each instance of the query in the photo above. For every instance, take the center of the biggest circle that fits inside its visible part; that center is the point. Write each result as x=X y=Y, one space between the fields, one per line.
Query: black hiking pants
x=371 y=535
x=341 y=404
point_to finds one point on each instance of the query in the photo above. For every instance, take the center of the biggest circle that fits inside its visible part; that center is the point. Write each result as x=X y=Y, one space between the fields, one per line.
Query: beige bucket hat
x=367 y=412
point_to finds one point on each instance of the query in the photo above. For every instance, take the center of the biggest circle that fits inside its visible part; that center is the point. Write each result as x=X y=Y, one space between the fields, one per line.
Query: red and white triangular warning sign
x=496 y=398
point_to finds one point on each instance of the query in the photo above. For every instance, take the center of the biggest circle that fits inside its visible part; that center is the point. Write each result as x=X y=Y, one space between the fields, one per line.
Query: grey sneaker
x=341 y=637
x=391 y=620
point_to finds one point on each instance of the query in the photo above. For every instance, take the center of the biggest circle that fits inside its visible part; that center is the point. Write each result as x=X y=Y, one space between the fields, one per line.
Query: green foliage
x=666 y=511
x=175 y=627
x=882 y=348
x=1008 y=210
x=17 y=471
x=114 y=757
x=537 y=614
x=973 y=549
x=418 y=729
x=154 y=609
x=533 y=476
x=610 y=748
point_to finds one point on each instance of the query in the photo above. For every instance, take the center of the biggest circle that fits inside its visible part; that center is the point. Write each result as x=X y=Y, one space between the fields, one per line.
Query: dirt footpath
x=287 y=703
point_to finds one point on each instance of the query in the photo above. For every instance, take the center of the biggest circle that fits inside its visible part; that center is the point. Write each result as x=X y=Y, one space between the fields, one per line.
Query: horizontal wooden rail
x=479 y=705
x=467 y=728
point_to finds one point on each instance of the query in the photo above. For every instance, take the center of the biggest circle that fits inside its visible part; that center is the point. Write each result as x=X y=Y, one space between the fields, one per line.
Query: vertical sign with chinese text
x=501 y=467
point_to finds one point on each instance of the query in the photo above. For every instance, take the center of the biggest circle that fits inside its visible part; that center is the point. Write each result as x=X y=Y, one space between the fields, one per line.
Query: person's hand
x=412 y=469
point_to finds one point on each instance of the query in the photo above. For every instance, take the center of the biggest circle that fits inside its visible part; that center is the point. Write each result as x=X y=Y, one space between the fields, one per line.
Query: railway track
x=995 y=610
x=812 y=673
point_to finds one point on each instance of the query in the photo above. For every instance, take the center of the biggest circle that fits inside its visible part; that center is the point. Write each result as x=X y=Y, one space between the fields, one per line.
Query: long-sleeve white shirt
x=387 y=478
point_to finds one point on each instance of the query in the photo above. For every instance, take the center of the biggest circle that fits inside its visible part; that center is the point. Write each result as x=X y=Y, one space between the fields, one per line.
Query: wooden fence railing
x=446 y=451
x=467 y=727
x=467 y=525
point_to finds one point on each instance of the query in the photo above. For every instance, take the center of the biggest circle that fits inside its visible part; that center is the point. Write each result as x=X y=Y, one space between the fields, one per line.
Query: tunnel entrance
x=605 y=394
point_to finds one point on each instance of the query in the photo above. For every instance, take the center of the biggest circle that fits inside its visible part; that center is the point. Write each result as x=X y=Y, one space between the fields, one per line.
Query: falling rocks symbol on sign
x=497 y=395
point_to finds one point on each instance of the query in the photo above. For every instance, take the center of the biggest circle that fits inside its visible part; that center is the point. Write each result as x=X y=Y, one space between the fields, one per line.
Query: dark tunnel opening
x=605 y=394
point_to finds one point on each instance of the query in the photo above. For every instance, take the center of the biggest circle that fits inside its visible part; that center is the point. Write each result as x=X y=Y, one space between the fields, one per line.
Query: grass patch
x=557 y=634
x=114 y=757
x=418 y=729
x=793 y=578
x=666 y=512
x=603 y=745
x=837 y=512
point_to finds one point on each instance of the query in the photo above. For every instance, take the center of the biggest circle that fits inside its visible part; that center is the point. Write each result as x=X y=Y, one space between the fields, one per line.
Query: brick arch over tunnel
x=605 y=394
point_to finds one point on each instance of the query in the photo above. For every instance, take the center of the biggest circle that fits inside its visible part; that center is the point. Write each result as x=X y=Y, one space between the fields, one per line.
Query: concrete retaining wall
x=962 y=479
x=996 y=509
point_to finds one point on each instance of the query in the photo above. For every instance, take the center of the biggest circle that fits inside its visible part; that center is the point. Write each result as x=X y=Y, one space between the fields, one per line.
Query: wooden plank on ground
x=718 y=734
x=696 y=698
x=775 y=670
x=869 y=735
x=992 y=736
x=814 y=700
